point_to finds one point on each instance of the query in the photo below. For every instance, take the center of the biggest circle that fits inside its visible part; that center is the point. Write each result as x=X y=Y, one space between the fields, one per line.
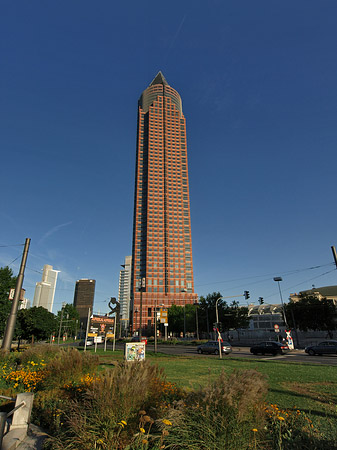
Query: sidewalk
x=34 y=439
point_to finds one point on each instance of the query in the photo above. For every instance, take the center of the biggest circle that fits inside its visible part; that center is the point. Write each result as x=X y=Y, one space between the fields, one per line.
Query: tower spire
x=159 y=79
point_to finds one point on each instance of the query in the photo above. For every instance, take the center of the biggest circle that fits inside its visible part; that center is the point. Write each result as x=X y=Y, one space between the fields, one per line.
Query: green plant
x=221 y=415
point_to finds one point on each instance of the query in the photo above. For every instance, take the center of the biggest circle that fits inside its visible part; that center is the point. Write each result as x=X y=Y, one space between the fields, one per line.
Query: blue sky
x=258 y=84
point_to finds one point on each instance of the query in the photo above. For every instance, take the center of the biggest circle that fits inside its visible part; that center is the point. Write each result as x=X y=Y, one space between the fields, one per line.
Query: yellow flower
x=166 y=422
x=144 y=441
x=142 y=430
x=123 y=422
x=254 y=429
x=280 y=418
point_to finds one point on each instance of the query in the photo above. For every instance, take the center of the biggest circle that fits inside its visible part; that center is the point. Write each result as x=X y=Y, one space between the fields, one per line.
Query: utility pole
x=334 y=254
x=8 y=336
x=60 y=327
x=142 y=285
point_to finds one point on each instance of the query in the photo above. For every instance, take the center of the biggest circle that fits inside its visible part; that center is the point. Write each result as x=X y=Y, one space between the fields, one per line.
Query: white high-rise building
x=45 y=289
x=124 y=293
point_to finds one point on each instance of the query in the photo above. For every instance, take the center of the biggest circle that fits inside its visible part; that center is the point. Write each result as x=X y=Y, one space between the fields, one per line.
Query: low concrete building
x=328 y=292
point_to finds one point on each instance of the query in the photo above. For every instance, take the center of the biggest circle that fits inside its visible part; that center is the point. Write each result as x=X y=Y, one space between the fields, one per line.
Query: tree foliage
x=310 y=313
x=70 y=320
x=37 y=322
x=230 y=316
x=7 y=282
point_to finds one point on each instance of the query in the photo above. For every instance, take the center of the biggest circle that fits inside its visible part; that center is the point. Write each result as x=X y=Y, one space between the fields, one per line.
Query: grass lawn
x=311 y=388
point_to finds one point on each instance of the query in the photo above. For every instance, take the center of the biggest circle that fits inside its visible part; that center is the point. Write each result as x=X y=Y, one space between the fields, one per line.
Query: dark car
x=324 y=347
x=213 y=347
x=269 y=347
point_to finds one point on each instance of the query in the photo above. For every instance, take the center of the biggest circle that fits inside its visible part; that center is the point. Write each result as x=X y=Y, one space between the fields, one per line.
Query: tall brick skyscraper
x=162 y=248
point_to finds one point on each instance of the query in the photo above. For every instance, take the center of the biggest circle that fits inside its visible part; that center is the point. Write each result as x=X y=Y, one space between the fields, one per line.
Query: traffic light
x=261 y=301
x=246 y=294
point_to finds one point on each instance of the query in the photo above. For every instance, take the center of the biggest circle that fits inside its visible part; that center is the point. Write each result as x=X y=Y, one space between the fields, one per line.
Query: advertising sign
x=135 y=351
x=101 y=326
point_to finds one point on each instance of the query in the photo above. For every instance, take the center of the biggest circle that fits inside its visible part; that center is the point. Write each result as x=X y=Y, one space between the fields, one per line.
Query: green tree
x=175 y=318
x=310 y=313
x=36 y=323
x=7 y=282
x=70 y=320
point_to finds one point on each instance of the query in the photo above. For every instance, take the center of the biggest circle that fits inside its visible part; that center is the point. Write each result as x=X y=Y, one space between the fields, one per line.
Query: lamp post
x=217 y=321
x=136 y=312
x=184 y=290
x=278 y=279
x=142 y=285
x=155 y=326
x=196 y=304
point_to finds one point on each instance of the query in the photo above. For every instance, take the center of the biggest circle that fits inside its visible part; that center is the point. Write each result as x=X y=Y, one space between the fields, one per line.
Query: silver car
x=213 y=347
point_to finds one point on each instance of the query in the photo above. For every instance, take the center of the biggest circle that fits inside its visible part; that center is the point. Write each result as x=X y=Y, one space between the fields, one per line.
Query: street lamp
x=217 y=322
x=196 y=304
x=184 y=290
x=278 y=279
x=136 y=312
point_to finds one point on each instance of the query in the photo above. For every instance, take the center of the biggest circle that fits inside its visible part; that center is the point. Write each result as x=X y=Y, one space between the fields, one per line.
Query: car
x=213 y=347
x=325 y=347
x=269 y=347
x=137 y=339
x=89 y=342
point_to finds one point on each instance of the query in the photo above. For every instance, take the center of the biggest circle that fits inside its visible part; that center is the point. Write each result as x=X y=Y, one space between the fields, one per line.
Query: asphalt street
x=239 y=352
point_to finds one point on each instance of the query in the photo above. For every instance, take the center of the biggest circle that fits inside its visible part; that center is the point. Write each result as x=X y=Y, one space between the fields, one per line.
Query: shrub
x=107 y=414
x=223 y=415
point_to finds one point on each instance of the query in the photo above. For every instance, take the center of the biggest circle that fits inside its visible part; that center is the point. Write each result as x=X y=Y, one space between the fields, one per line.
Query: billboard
x=101 y=325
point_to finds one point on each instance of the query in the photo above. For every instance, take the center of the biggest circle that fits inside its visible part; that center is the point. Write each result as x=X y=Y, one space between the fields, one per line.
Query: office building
x=162 y=267
x=124 y=291
x=84 y=299
x=45 y=290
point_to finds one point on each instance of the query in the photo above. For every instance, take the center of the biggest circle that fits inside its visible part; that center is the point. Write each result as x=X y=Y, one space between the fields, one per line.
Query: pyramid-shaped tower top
x=159 y=79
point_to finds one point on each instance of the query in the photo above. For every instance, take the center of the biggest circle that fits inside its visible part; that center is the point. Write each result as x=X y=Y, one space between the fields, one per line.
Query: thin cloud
x=52 y=231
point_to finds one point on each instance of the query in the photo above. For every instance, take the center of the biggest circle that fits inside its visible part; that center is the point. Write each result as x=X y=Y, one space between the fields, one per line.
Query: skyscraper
x=162 y=248
x=45 y=289
x=84 y=299
x=124 y=293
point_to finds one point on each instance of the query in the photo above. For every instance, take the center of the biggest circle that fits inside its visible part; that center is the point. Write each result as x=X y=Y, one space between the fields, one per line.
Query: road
x=242 y=352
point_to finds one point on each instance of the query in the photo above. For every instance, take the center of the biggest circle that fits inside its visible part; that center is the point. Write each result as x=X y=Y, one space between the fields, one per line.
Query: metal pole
x=196 y=318
x=217 y=322
x=58 y=338
x=155 y=327
x=8 y=336
x=284 y=314
x=140 y=314
x=334 y=254
x=87 y=331
x=184 y=318
x=115 y=329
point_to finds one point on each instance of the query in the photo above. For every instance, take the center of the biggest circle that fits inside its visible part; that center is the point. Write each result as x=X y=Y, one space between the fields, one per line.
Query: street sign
x=276 y=328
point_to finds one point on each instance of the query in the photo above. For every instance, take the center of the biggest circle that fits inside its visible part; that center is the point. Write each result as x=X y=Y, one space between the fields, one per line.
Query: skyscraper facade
x=162 y=267
x=45 y=290
x=124 y=293
x=84 y=299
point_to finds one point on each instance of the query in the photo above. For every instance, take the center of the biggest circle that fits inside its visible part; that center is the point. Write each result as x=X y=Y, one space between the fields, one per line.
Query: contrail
x=52 y=231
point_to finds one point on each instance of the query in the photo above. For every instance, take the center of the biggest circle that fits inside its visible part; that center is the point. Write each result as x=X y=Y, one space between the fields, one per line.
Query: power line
x=303 y=282
x=13 y=260
x=14 y=245
x=268 y=274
